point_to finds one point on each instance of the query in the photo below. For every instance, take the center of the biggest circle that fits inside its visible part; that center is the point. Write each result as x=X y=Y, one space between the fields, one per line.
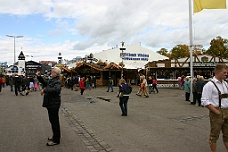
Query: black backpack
x=126 y=88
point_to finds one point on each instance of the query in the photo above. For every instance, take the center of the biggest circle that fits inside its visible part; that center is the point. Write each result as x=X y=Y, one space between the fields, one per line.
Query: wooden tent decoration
x=94 y=66
x=112 y=65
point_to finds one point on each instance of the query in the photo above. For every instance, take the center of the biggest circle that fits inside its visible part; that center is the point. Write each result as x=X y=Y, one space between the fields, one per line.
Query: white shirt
x=210 y=94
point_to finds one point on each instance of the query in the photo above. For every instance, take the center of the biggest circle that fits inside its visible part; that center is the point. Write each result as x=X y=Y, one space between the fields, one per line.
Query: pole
x=14 y=61
x=14 y=52
x=191 y=46
x=122 y=56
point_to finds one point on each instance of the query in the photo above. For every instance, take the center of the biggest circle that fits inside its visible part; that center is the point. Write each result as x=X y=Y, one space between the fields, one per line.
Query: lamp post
x=122 y=56
x=14 y=37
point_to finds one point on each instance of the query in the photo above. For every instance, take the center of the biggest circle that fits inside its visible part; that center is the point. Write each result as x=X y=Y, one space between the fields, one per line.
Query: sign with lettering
x=204 y=64
x=135 y=56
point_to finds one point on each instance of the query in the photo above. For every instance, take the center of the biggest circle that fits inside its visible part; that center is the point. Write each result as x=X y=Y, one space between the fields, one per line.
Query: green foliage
x=179 y=51
x=164 y=51
x=218 y=47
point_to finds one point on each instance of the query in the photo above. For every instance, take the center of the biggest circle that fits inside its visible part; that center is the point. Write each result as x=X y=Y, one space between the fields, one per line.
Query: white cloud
x=95 y=25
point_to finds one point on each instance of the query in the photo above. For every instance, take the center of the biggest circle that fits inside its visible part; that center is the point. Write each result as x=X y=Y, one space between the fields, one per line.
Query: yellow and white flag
x=199 y=5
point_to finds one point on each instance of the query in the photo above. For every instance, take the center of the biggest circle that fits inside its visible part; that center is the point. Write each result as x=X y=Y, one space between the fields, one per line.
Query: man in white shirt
x=214 y=97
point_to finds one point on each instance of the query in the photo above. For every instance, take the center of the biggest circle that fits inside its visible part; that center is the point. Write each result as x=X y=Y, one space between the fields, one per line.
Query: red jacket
x=82 y=84
x=154 y=81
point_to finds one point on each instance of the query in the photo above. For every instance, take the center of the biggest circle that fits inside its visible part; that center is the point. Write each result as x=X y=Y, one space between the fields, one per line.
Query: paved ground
x=164 y=122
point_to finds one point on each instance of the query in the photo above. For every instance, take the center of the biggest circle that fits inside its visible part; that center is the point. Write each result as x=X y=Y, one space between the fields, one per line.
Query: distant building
x=31 y=67
x=50 y=63
x=21 y=64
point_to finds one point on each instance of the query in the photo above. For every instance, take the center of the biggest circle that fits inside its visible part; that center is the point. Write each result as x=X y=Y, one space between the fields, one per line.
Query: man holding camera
x=52 y=101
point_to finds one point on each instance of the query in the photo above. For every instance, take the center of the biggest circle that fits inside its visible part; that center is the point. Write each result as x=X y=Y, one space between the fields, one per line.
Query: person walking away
x=31 y=83
x=110 y=84
x=0 y=84
x=94 y=82
x=3 y=81
x=36 y=83
x=88 y=83
x=187 y=86
x=155 y=85
x=23 y=85
x=199 y=88
x=194 y=91
x=17 y=85
x=82 y=85
x=52 y=101
x=214 y=97
x=11 y=83
x=124 y=89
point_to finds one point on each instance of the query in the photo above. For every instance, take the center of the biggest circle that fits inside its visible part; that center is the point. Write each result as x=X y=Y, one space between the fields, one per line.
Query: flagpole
x=191 y=46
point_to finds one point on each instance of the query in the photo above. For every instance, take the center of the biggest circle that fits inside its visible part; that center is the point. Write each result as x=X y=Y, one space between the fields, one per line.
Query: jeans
x=53 y=115
x=110 y=86
x=123 y=104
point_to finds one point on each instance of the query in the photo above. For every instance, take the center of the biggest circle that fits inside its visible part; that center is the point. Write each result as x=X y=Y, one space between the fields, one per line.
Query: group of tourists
x=20 y=84
x=196 y=89
x=152 y=83
x=73 y=82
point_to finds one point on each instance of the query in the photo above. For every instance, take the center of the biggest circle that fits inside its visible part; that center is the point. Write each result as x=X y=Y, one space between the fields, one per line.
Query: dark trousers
x=82 y=91
x=187 y=96
x=199 y=98
x=155 y=87
x=11 y=87
x=195 y=96
x=16 y=89
x=53 y=115
x=123 y=104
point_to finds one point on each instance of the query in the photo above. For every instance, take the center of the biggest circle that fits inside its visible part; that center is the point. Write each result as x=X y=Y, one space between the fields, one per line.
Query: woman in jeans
x=123 y=99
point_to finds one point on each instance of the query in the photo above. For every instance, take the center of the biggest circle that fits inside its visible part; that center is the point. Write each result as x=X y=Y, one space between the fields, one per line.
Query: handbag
x=120 y=94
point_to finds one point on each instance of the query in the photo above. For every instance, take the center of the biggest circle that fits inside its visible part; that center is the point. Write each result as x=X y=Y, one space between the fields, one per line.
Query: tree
x=218 y=47
x=163 y=51
x=179 y=51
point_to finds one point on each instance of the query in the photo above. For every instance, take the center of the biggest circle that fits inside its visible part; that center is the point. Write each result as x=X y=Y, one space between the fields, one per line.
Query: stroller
x=151 y=89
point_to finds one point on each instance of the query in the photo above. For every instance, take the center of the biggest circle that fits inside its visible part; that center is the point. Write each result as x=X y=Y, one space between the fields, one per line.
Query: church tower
x=21 y=64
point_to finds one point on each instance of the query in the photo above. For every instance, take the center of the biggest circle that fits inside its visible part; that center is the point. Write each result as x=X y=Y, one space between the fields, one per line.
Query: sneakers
x=50 y=138
x=51 y=143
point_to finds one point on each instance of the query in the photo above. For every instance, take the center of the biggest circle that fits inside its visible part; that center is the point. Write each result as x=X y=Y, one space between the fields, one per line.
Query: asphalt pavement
x=92 y=122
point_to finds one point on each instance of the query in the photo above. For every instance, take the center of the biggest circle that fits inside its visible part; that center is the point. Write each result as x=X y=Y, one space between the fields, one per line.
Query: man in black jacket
x=199 y=88
x=52 y=101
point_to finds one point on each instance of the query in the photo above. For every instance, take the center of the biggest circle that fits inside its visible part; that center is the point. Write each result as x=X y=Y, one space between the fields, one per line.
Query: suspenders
x=219 y=94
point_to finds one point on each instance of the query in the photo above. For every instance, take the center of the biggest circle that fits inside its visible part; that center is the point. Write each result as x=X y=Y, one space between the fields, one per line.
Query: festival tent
x=135 y=56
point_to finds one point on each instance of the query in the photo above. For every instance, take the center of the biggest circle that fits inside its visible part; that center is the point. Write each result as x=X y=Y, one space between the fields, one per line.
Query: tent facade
x=135 y=56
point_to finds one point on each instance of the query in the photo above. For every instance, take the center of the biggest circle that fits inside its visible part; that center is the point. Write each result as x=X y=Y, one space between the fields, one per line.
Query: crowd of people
x=20 y=84
x=196 y=88
x=213 y=95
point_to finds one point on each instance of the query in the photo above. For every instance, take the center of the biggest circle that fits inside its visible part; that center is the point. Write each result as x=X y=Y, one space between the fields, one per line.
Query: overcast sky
x=80 y=27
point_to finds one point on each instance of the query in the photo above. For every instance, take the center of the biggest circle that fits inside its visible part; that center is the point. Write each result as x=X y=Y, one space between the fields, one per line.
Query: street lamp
x=122 y=56
x=14 y=37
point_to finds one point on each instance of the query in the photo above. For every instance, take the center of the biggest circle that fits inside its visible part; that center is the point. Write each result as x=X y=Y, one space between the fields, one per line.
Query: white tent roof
x=135 y=57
